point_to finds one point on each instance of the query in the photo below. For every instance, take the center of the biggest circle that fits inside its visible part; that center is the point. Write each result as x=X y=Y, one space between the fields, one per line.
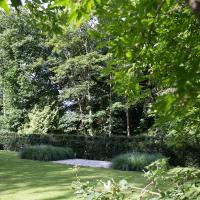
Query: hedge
x=105 y=148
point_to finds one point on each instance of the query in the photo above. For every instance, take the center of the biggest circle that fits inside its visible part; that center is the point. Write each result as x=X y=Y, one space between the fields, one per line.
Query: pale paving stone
x=84 y=162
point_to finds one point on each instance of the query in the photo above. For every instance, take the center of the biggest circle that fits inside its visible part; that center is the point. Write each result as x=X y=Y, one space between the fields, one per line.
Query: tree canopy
x=155 y=49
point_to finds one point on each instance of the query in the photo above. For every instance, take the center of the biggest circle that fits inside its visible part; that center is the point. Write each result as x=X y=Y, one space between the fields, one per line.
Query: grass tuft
x=134 y=161
x=46 y=153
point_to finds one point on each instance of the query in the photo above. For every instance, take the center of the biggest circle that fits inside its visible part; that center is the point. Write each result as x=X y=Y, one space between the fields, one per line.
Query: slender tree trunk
x=79 y=103
x=88 y=94
x=127 y=122
x=4 y=98
x=110 y=108
x=80 y=107
x=90 y=111
x=81 y=112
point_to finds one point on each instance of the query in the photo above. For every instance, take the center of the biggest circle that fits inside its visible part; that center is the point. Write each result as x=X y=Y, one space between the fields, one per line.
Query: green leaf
x=4 y=5
x=168 y=2
x=65 y=3
x=129 y=55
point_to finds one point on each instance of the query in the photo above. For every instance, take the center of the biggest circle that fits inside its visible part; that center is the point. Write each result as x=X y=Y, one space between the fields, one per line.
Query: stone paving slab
x=86 y=163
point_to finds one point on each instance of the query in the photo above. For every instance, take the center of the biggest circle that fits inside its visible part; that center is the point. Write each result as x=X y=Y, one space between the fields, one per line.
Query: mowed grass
x=36 y=180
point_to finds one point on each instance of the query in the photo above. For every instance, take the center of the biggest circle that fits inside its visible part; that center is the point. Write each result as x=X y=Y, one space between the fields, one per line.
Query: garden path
x=86 y=163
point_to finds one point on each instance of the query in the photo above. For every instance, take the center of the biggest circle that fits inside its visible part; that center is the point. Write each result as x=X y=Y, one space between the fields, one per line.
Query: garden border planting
x=106 y=148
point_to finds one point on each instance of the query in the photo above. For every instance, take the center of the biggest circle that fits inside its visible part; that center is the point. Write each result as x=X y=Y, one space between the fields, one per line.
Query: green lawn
x=34 y=180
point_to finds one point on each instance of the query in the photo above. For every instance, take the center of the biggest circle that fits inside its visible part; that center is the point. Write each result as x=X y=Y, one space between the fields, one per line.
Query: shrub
x=134 y=161
x=46 y=153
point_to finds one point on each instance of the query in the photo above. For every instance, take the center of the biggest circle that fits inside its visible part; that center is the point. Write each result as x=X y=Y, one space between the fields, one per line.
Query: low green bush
x=46 y=153
x=134 y=161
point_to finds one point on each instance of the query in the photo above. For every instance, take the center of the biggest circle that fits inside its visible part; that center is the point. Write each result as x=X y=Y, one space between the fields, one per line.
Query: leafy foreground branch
x=185 y=184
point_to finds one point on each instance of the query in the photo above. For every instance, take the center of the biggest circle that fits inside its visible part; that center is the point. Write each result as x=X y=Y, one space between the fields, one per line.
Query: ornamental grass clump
x=135 y=161
x=46 y=153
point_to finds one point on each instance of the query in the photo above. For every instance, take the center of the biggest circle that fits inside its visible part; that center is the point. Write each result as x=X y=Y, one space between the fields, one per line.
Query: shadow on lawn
x=35 y=177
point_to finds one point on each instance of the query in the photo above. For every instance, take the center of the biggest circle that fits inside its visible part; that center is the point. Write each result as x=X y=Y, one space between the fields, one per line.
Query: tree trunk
x=127 y=122
x=81 y=113
x=88 y=94
x=110 y=108
x=4 y=98
x=90 y=111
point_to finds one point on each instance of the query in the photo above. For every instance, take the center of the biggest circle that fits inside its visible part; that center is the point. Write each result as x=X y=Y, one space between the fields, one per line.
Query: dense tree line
x=153 y=61
x=116 y=74
x=60 y=83
x=155 y=48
